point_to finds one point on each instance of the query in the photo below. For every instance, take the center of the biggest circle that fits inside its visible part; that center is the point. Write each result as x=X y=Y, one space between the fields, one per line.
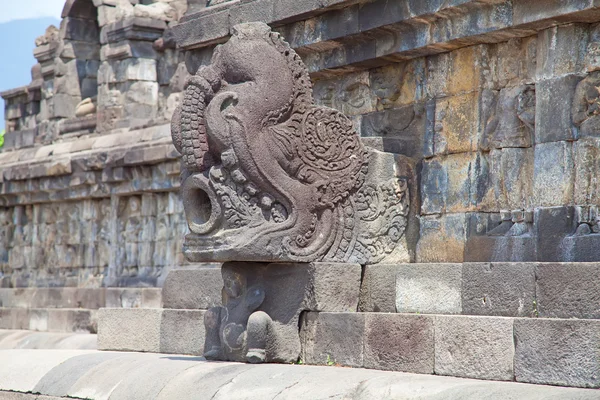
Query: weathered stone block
x=129 y=329
x=503 y=289
x=332 y=338
x=434 y=186
x=205 y=29
x=554 y=171
x=515 y=61
x=586 y=155
x=561 y=50
x=533 y=11
x=193 y=288
x=442 y=238
x=456 y=72
x=467 y=180
x=428 y=288
x=553 y=224
x=378 y=289
x=258 y=10
x=182 y=332
x=557 y=352
x=398 y=342
x=143 y=92
x=456 y=124
x=553 y=120
x=136 y=69
x=64 y=105
x=474 y=347
x=398 y=84
x=568 y=290
x=405 y=124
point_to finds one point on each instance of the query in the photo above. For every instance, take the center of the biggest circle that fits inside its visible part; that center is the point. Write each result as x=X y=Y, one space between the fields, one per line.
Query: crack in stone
x=286 y=388
x=227 y=383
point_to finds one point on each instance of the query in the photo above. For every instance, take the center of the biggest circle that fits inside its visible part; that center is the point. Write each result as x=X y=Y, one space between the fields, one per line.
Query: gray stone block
x=553 y=174
x=568 y=290
x=204 y=29
x=399 y=342
x=474 y=347
x=70 y=320
x=561 y=50
x=553 y=120
x=502 y=289
x=123 y=297
x=335 y=287
x=14 y=318
x=332 y=338
x=378 y=289
x=129 y=329
x=153 y=330
x=182 y=332
x=552 y=225
x=405 y=124
x=257 y=10
x=193 y=288
x=557 y=352
x=428 y=288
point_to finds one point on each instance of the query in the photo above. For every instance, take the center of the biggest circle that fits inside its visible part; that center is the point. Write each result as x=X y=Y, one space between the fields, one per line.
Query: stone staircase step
x=88 y=298
x=49 y=319
x=531 y=350
x=153 y=330
x=562 y=352
x=525 y=289
x=24 y=339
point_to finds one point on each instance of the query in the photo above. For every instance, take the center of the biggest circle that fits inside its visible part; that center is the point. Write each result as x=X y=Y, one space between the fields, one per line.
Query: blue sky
x=29 y=9
x=21 y=21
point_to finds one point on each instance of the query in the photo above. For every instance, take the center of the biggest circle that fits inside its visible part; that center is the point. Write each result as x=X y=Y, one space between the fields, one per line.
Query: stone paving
x=82 y=374
x=22 y=339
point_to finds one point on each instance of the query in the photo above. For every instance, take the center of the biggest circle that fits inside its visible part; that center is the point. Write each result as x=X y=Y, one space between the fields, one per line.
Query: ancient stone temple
x=404 y=186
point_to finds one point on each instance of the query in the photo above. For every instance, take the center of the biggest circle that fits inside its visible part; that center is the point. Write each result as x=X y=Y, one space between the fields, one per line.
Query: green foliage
x=2 y=132
x=330 y=362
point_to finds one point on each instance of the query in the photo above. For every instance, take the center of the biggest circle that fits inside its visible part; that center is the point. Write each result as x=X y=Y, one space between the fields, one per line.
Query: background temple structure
x=494 y=103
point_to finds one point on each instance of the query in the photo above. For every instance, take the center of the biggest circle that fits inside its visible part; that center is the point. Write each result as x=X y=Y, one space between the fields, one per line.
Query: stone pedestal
x=263 y=303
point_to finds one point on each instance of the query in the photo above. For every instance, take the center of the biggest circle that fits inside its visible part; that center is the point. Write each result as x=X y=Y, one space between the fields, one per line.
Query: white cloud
x=26 y=9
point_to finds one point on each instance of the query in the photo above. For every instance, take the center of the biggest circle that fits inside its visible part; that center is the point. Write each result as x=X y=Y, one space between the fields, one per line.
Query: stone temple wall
x=88 y=176
x=495 y=100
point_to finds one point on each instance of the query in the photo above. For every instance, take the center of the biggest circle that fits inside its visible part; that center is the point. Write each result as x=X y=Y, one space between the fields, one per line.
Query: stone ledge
x=49 y=319
x=91 y=374
x=543 y=351
x=80 y=298
x=151 y=330
x=521 y=289
x=359 y=36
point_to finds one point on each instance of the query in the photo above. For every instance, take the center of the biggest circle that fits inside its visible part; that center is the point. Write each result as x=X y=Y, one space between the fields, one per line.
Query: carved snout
x=202 y=209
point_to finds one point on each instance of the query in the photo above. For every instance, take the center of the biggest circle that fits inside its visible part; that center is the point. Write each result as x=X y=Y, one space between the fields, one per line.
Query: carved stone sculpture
x=268 y=176
x=262 y=304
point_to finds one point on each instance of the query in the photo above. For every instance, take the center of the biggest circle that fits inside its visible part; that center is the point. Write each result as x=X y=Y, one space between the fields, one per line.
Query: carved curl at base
x=268 y=176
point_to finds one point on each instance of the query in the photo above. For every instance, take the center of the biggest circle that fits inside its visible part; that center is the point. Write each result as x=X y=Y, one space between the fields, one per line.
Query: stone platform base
x=116 y=376
x=525 y=322
x=21 y=339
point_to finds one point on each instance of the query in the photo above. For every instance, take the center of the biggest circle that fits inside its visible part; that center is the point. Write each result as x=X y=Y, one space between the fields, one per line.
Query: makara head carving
x=267 y=175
